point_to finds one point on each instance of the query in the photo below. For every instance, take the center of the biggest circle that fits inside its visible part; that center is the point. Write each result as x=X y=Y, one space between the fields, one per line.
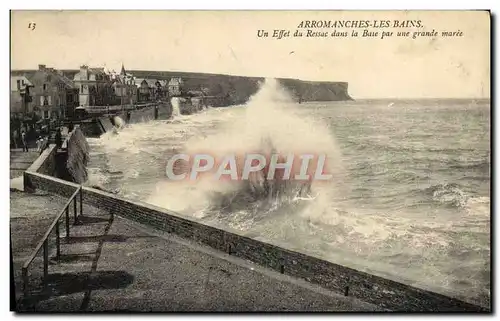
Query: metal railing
x=44 y=242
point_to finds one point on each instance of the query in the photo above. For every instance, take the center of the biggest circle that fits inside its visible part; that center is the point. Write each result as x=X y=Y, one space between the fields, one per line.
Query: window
x=44 y=86
x=42 y=100
x=18 y=84
x=46 y=114
x=22 y=82
x=49 y=100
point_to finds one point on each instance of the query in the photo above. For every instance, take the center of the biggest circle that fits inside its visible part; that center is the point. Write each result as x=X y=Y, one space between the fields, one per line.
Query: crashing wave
x=449 y=194
x=270 y=124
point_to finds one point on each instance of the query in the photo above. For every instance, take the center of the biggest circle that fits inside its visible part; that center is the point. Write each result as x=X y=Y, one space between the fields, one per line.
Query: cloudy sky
x=227 y=42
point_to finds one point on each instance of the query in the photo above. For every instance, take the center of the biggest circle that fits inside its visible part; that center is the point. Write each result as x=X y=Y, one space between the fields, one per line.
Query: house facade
x=143 y=90
x=175 y=86
x=53 y=95
x=95 y=87
x=124 y=88
x=156 y=89
x=20 y=95
x=161 y=89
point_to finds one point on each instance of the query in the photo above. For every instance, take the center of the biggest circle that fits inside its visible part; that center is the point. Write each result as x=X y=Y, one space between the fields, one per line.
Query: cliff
x=237 y=89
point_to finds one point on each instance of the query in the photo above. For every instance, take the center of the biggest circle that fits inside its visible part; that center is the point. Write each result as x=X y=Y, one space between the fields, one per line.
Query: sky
x=226 y=42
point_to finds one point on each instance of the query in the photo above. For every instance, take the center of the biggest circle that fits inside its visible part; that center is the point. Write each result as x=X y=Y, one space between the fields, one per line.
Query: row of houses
x=48 y=93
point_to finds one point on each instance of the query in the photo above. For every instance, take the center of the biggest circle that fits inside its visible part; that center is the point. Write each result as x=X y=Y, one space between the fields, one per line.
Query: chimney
x=84 y=72
x=41 y=67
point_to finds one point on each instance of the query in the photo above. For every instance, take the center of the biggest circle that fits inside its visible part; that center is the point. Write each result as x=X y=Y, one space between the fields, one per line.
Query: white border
x=200 y=4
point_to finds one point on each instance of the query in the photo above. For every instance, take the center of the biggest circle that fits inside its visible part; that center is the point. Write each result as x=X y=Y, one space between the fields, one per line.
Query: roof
x=14 y=79
x=90 y=72
x=175 y=81
x=196 y=92
x=68 y=82
x=99 y=70
x=119 y=79
x=151 y=82
x=55 y=77
x=138 y=81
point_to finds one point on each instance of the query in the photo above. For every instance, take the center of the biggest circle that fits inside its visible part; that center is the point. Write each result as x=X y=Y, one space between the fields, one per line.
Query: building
x=53 y=94
x=175 y=86
x=162 y=89
x=20 y=96
x=155 y=89
x=143 y=90
x=124 y=88
x=95 y=87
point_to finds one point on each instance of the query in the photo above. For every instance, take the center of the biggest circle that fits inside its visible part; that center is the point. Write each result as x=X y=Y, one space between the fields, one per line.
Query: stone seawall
x=136 y=116
x=68 y=163
x=385 y=293
x=46 y=162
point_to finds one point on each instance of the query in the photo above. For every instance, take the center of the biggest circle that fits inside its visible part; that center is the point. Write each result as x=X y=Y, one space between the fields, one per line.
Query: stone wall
x=46 y=162
x=69 y=163
x=369 y=288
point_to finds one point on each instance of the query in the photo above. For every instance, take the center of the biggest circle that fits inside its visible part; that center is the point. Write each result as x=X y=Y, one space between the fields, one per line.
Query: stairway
x=71 y=278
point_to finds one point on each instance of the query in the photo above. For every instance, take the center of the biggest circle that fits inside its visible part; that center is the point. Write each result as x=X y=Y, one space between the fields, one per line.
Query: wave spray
x=270 y=124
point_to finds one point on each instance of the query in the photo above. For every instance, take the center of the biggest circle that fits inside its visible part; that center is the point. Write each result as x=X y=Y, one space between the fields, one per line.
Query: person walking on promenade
x=39 y=143
x=24 y=142
x=44 y=143
x=15 y=137
x=58 y=138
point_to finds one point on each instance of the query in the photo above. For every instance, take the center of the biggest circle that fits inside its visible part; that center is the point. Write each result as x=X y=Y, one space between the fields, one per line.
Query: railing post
x=67 y=223
x=58 y=242
x=25 y=281
x=74 y=209
x=81 y=201
x=45 y=261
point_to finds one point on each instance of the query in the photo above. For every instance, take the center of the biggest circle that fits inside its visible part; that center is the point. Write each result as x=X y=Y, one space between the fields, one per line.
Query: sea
x=409 y=199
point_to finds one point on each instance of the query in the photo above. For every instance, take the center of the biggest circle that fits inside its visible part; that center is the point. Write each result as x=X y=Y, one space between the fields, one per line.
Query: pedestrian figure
x=44 y=142
x=58 y=138
x=23 y=141
x=16 y=137
x=38 y=144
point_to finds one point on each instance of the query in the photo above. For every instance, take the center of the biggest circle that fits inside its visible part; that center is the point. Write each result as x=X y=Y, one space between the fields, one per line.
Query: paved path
x=20 y=161
x=118 y=265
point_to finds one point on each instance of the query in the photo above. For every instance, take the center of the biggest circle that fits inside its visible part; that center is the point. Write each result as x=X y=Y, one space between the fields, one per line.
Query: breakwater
x=103 y=122
x=383 y=292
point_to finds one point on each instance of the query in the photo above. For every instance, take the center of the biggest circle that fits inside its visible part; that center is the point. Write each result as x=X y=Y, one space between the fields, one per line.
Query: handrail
x=44 y=241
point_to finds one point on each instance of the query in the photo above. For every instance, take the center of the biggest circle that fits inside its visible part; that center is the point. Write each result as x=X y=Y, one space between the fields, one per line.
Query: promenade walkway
x=113 y=264
x=20 y=161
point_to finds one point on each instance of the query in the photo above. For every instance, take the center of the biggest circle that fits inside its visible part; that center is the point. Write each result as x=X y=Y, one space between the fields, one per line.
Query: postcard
x=249 y=161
